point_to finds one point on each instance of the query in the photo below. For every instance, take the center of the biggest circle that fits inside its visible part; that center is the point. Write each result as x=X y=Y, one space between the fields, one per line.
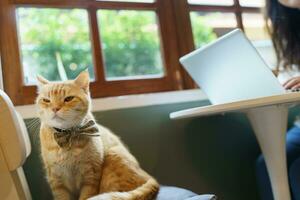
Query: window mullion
x=96 y=46
x=184 y=35
x=170 y=42
x=238 y=14
x=10 y=55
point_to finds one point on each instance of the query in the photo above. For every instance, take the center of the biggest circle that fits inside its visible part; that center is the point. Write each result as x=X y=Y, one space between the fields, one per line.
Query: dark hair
x=284 y=27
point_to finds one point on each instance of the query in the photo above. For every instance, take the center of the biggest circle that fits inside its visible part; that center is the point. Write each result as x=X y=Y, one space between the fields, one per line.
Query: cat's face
x=63 y=105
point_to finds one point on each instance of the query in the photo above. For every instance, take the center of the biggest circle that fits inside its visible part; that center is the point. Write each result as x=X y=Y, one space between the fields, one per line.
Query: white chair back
x=15 y=147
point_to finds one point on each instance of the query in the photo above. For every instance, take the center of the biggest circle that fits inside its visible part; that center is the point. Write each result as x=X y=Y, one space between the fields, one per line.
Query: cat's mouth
x=56 y=117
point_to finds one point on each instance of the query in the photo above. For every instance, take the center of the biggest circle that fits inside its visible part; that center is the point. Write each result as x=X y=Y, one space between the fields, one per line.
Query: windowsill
x=131 y=101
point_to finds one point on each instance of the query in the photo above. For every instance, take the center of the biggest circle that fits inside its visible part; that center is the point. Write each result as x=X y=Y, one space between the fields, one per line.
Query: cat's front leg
x=59 y=191
x=89 y=190
x=90 y=184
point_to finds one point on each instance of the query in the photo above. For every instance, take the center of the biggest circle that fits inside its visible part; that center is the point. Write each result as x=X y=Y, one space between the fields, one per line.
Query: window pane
x=253 y=3
x=130 y=43
x=208 y=26
x=54 y=43
x=212 y=2
x=255 y=26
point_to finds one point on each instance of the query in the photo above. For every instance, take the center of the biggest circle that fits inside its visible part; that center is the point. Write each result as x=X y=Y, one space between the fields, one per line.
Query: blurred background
x=128 y=46
x=56 y=43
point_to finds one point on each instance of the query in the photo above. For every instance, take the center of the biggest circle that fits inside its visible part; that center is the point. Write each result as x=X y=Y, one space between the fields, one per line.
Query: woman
x=284 y=26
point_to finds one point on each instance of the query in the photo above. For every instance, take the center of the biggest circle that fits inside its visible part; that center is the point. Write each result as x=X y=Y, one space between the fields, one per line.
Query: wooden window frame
x=175 y=35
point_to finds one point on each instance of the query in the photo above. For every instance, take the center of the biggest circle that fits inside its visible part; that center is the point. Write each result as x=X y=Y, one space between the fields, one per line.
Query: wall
x=207 y=155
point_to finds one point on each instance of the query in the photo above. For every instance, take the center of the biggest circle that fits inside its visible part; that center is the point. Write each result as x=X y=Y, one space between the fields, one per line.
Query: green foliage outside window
x=50 y=37
x=201 y=32
x=130 y=41
x=55 y=40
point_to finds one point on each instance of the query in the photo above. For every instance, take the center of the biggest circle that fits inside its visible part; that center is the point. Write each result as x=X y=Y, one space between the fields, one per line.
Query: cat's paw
x=101 y=197
x=111 y=196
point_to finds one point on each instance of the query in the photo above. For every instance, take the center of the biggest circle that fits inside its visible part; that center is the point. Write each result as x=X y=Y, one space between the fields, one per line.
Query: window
x=207 y=26
x=59 y=54
x=210 y=2
x=253 y=3
x=223 y=16
x=130 y=52
x=128 y=46
x=255 y=26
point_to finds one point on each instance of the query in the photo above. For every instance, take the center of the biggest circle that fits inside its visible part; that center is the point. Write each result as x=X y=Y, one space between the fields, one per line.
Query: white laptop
x=230 y=69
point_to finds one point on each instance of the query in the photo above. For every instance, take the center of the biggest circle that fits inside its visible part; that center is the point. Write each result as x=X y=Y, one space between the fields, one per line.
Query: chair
x=15 y=147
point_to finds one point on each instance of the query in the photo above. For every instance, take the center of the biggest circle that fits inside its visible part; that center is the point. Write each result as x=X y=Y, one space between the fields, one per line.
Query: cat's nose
x=56 y=109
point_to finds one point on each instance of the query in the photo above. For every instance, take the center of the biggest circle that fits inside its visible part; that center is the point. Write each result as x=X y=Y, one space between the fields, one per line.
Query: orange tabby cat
x=83 y=159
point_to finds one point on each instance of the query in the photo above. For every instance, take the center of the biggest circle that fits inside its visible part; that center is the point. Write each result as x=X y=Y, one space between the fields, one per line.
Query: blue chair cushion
x=174 y=193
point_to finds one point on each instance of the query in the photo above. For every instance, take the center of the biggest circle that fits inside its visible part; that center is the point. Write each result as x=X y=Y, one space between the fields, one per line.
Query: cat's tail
x=147 y=191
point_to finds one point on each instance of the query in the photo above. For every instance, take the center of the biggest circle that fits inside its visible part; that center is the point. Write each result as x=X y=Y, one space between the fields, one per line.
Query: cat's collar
x=89 y=128
x=64 y=137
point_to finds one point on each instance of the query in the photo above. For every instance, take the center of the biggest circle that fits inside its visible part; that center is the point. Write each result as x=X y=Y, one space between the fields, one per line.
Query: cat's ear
x=83 y=80
x=41 y=80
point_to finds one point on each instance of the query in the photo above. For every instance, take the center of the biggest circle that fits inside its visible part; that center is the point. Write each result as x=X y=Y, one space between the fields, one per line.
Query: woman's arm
x=290 y=3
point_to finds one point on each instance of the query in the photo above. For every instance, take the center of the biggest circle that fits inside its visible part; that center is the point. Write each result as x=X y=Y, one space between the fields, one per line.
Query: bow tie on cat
x=65 y=137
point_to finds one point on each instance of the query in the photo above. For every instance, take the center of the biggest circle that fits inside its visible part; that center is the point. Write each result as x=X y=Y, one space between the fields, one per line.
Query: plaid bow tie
x=64 y=137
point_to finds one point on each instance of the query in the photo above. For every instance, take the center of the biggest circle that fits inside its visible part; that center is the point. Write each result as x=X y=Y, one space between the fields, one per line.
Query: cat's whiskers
x=33 y=123
x=73 y=118
x=33 y=130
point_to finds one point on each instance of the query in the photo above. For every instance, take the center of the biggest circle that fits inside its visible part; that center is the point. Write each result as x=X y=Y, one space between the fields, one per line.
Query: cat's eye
x=45 y=100
x=69 y=98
